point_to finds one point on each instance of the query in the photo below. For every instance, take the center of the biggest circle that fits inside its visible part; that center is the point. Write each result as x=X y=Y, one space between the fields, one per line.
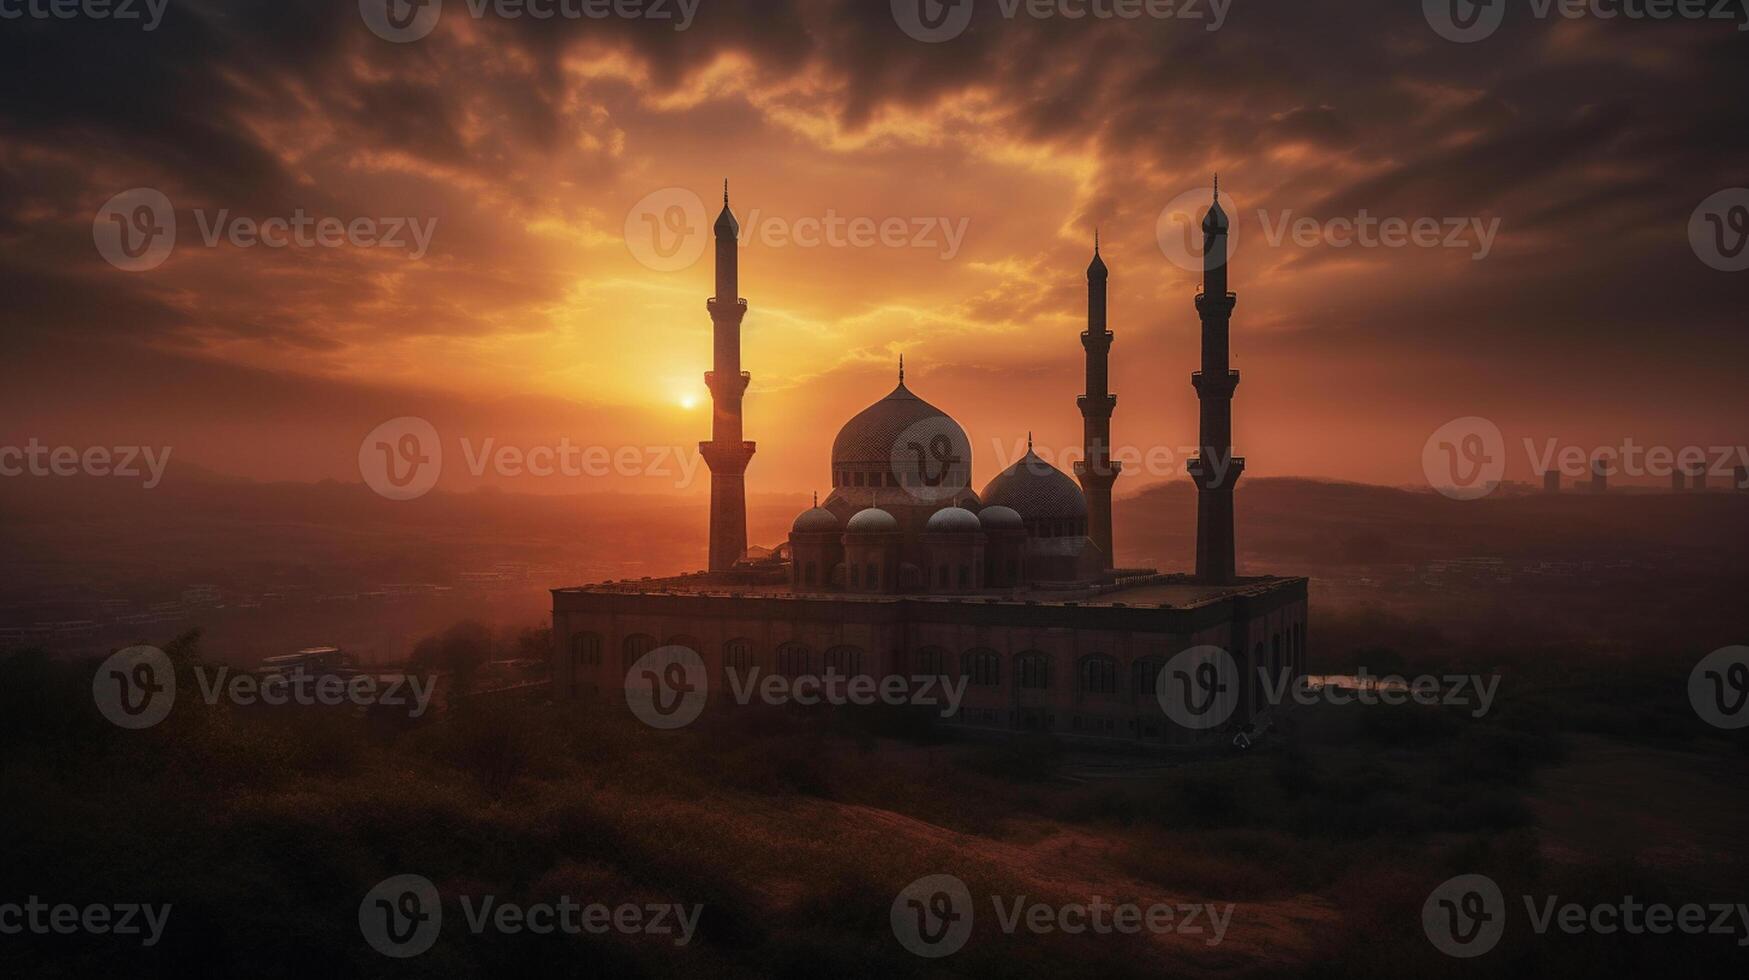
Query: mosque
x=905 y=570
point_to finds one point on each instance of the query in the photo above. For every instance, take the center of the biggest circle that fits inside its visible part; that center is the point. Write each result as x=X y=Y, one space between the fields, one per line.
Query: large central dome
x=879 y=432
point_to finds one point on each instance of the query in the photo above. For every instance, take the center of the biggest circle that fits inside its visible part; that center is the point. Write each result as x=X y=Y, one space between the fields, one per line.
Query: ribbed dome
x=870 y=436
x=953 y=520
x=871 y=520
x=1000 y=519
x=1036 y=490
x=816 y=521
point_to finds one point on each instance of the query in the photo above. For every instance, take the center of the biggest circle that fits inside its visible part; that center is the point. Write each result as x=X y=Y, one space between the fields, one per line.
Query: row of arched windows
x=1096 y=673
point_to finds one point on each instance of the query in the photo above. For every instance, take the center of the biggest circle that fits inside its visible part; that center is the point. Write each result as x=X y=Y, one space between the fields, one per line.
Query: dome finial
x=901 y=369
x=816 y=498
x=1095 y=239
x=725 y=192
x=1029 y=440
x=1217 y=188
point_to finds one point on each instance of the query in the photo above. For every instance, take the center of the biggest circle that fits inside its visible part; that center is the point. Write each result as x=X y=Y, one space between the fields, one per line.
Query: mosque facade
x=1010 y=592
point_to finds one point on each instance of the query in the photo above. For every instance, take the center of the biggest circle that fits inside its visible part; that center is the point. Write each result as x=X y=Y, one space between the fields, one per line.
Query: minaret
x=727 y=454
x=1096 y=469
x=1216 y=469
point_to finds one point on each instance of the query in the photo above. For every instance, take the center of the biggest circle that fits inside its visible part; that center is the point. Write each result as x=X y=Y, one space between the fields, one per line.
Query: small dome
x=1097 y=270
x=1001 y=519
x=953 y=520
x=1036 y=490
x=816 y=521
x=871 y=520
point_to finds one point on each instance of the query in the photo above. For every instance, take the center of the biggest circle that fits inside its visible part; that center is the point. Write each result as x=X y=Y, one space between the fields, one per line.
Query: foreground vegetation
x=796 y=829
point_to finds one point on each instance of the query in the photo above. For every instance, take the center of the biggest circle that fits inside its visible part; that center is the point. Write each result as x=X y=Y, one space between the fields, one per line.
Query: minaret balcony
x=1215 y=385
x=1223 y=303
x=710 y=381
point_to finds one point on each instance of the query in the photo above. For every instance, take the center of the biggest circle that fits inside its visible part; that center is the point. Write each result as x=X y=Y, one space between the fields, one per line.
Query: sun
x=689 y=402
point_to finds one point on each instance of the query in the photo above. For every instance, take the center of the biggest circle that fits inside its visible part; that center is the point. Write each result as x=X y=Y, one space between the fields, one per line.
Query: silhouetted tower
x=1697 y=477
x=727 y=454
x=1552 y=481
x=1677 y=483
x=1599 y=475
x=1096 y=469
x=1216 y=469
x=1743 y=478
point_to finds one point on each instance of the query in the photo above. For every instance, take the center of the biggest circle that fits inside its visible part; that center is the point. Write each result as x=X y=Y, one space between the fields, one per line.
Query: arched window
x=843 y=661
x=792 y=660
x=1098 y=674
x=929 y=662
x=1032 y=670
x=1144 y=678
x=738 y=657
x=586 y=649
x=941 y=576
x=982 y=668
x=809 y=573
x=874 y=575
x=855 y=576
x=965 y=576
x=635 y=646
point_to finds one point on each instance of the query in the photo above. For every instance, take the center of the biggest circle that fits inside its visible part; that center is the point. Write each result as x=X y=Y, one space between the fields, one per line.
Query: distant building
x=906 y=571
x=1678 y=483
x=1698 y=477
x=1552 y=481
x=1599 y=475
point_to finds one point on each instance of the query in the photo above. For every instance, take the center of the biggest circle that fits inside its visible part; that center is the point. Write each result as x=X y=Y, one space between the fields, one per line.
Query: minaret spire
x=1215 y=470
x=901 y=369
x=1096 y=470
x=727 y=453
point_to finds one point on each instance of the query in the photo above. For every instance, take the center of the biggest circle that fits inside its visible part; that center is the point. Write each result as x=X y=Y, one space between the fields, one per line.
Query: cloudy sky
x=560 y=166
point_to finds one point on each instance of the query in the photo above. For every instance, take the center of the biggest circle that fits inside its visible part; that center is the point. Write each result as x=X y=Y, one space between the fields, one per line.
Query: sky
x=513 y=201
